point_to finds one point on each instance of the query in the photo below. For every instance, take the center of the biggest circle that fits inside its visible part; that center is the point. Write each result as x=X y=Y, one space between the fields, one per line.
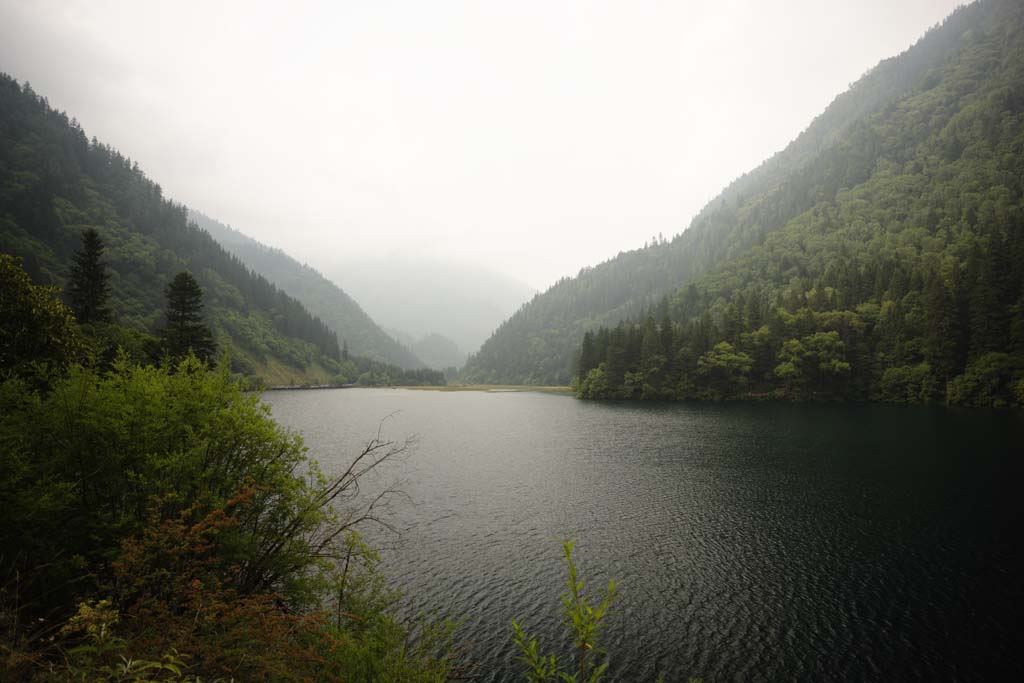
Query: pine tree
x=652 y=358
x=588 y=359
x=940 y=340
x=616 y=358
x=185 y=327
x=668 y=341
x=89 y=286
x=989 y=310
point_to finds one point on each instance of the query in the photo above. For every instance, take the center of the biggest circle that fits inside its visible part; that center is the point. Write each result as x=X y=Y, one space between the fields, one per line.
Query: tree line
x=911 y=341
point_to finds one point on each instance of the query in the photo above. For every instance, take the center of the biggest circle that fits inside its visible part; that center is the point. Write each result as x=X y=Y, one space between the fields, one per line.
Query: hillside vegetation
x=55 y=182
x=902 y=178
x=904 y=281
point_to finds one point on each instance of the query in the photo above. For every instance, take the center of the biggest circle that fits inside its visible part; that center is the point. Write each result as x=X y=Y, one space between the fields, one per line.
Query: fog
x=532 y=138
x=414 y=299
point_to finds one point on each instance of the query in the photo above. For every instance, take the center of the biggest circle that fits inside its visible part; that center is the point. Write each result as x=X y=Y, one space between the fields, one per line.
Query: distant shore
x=287 y=387
x=490 y=388
x=494 y=388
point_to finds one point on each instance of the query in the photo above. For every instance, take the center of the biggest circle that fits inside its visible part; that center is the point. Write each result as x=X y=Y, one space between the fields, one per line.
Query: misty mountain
x=460 y=302
x=337 y=309
x=55 y=182
x=438 y=352
x=876 y=165
x=435 y=350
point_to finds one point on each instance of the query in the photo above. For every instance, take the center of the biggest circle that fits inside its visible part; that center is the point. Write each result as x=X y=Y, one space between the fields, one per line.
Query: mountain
x=54 y=182
x=435 y=350
x=439 y=352
x=906 y=175
x=463 y=303
x=318 y=294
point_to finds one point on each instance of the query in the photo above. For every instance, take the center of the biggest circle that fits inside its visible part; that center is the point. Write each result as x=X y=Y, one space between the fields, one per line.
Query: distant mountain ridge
x=436 y=350
x=841 y=149
x=329 y=302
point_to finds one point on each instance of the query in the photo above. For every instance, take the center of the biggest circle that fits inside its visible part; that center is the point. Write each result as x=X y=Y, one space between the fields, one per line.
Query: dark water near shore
x=750 y=542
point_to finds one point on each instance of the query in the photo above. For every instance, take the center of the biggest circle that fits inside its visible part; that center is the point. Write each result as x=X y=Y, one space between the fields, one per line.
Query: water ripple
x=750 y=543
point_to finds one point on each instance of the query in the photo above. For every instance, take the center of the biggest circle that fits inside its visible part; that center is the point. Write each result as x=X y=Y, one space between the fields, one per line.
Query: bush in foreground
x=172 y=498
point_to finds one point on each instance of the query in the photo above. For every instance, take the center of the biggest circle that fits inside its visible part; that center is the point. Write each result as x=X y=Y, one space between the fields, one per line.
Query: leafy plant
x=103 y=656
x=583 y=624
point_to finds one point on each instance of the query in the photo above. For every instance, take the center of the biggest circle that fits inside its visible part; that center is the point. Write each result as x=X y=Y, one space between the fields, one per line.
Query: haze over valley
x=420 y=297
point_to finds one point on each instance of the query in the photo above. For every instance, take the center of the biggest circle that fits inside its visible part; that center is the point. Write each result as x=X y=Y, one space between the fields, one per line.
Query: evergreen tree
x=185 y=327
x=652 y=360
x=940 y=340
x=989 y=314
x=616 y=358
x=668 y=345
x=1017 y=326
x=732 y=320
x=588 y=355
x=89 y=286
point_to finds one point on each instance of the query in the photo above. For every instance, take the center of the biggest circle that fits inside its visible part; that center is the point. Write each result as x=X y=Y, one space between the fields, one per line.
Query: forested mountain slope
x=841 y=149
x=318 y=294
x=54 y=182
x=907 y=286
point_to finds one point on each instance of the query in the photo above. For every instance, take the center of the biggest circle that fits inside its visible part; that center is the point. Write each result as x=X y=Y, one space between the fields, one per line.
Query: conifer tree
x=616 y=359
x=185 y=327
x=989 y=313
x=665 y=329
x=653 y=359
x=588 y=359
x=89 y=286
x=940 y=340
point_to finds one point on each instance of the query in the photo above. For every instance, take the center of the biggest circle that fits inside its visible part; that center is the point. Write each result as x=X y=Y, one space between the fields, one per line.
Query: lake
x=749 y=541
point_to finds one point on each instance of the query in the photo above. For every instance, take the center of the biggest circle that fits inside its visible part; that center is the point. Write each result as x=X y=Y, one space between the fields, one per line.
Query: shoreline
x=487 y=388
x=493 y=388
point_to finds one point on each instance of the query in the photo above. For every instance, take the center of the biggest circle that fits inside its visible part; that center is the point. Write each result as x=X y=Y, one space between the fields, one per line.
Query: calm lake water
x=749 y=541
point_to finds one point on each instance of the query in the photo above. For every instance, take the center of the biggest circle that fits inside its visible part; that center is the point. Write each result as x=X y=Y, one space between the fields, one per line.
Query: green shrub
x=173 y=494
x=583 y=624
x=991 y=380
x=906 y=384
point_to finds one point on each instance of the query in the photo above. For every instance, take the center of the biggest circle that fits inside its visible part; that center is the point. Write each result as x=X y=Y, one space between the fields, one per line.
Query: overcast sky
x=531 y=137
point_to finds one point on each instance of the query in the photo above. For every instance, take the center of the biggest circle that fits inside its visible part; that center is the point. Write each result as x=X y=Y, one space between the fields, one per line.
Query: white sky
x=530 y=137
